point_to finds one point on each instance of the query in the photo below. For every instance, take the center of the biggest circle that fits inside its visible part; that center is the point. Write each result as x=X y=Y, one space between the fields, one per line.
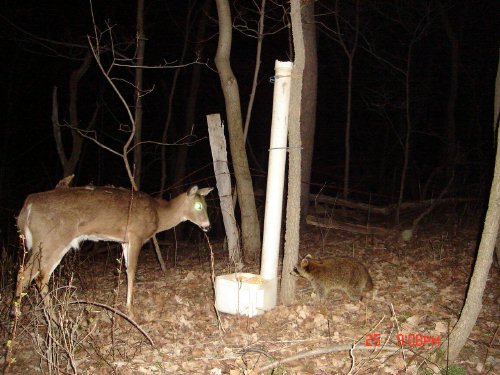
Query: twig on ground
x=221 y=327
x=117 y=312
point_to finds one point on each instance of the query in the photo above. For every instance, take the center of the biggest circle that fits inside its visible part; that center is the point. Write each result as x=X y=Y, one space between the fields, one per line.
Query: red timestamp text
x=416 y=340
x=411 y=340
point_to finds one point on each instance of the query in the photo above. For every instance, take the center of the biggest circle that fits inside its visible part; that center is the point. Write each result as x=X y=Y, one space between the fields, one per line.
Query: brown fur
x=339 y=273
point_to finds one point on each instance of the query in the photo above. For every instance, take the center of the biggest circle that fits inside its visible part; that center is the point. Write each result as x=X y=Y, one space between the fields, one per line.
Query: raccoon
x=340 y=273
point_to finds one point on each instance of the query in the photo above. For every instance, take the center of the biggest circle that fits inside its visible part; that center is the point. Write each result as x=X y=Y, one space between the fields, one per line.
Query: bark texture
x=350 y=51
x=474 y=300
x=139 y=60
x=192 y=99
x=250 y=227
x=69 y=164
x=308 y=104
x=292 y=234
x=223 y=178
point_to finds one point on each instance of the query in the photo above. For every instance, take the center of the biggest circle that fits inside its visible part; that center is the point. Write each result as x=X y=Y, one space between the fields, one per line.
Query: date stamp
x=411 y=340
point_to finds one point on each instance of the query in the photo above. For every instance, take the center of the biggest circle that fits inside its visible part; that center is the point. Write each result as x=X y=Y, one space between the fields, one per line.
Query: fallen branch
x=350 y=204
x=320 y=351
x=431 y=207
x=353 y=228
x=385 y=210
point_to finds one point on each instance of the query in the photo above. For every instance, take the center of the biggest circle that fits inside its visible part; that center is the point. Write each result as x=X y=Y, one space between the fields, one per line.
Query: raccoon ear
x=304 y=262
x=308 y=256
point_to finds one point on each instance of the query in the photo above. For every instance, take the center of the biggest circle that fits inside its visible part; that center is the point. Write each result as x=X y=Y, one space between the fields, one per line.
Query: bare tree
x=349 y=51
x=453 y=33
x=139 y=61
x=413 y=23
x=244 y=23
x=259 y=34
x=473 y=302
x=308 y=103
x=346 y=35
x=170 y=104
x=69 y=163
x=96 y=52
x=95 y=47
x=249 y=220
x=192 y=99
x=292 y=235
x=257 y=21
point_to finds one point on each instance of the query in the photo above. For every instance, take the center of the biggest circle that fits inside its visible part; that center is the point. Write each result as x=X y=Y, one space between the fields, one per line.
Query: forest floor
x=419 y=291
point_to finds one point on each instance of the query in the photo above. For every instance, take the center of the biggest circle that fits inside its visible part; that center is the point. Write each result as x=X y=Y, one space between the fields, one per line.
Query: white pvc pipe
x=276 y=170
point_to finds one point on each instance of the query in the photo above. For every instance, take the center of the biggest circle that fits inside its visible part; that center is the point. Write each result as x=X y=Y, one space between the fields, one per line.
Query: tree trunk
x=292 y=234
x=69 y=164
x=223 y=180
x=139 y=61
x=182 y=151
x=347 y=137
x=308 y=104
x=258 y=52
x=406 y=151
x=170 y=102
x=473 y=302
x=250 y=228
x=450 y=148
x=496 y=114
x=350 y=52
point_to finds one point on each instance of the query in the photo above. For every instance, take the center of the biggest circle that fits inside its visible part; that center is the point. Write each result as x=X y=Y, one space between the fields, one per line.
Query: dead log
x=353 y=228
x=385 y=210
x=350 y=204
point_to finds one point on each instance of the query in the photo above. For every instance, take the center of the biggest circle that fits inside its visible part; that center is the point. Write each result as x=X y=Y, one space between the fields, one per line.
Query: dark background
x=42 y=42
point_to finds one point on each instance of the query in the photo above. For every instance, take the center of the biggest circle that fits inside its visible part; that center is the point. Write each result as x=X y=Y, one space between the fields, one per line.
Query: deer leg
x=131 y=251
x=42 y=261
x=26 y=274
x=42 y=282
x=30 y=269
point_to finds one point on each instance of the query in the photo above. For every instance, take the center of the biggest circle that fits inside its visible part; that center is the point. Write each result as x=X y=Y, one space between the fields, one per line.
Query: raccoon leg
x=354 y=294
x=320 y=291
x=355 y=297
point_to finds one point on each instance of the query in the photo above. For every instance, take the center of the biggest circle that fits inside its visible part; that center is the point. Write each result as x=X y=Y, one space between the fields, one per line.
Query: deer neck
x=170 y=213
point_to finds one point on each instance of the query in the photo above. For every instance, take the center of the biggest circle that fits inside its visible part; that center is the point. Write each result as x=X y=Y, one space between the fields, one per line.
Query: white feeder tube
x=276 y=170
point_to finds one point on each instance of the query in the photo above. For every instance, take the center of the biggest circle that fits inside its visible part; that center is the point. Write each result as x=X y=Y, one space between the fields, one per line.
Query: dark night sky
x=37 y=56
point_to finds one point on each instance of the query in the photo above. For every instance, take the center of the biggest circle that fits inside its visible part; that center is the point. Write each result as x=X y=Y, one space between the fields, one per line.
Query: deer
x=56 y=221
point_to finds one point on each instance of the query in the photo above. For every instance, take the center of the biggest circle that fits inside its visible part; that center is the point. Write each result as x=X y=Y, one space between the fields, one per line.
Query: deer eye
x=198 y=206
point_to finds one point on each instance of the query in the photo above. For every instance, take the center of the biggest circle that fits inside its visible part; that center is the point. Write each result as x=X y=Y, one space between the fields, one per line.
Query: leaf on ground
x=441 y=327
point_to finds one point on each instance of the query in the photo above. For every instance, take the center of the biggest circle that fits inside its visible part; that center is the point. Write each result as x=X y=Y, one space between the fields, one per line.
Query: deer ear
x=192 y=190
x=205 y=191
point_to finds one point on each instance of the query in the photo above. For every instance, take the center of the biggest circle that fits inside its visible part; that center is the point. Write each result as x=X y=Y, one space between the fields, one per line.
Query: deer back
x=101 y=212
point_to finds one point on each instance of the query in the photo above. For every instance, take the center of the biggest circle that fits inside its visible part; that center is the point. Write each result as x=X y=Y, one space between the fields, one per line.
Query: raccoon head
x=302 y=269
